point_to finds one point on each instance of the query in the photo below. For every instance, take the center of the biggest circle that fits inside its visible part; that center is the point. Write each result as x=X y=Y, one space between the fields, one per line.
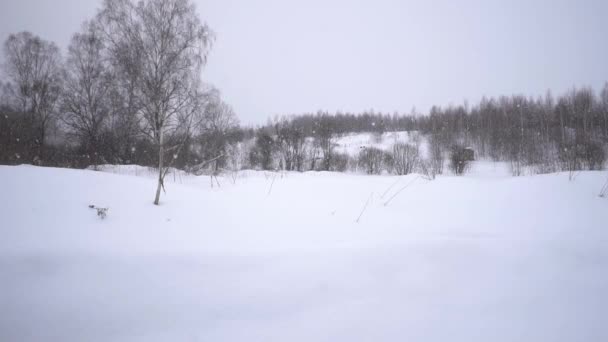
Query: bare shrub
x=425 y=167
x=594 y=156
x=583 y=155
x=459 y=160
x=406 y=158
x=339 y=162
x=371 y=159
x=389 y=162
x=571 y=157
x=548 y=161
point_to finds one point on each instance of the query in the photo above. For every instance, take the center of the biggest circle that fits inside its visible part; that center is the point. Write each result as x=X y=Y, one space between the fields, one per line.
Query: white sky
x=284 y=57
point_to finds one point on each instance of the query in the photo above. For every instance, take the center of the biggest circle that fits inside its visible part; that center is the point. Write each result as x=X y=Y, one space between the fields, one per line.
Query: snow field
x=279 y=257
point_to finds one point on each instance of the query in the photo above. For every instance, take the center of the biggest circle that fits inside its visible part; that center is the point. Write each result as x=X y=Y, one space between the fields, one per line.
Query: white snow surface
x=279 y=257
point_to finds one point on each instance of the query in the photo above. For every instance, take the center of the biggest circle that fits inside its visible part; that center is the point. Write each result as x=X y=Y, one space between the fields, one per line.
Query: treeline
x=547 y=134
x=541 y=135
x=343 y=123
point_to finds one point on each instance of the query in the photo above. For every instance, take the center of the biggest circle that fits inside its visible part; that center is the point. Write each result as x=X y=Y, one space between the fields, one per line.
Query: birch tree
x=168 y=44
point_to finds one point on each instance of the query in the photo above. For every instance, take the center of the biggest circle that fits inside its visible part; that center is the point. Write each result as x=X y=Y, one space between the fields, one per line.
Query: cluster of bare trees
x=541 y=135
x=129 y=90
x=285 y=145
x=533 y=135
x=34 y=72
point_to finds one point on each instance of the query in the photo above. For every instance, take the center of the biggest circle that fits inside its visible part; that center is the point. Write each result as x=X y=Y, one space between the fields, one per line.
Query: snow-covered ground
x=280 y=257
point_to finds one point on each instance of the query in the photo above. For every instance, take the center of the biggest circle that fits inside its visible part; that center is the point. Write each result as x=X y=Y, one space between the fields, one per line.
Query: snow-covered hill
x=280 y=257
x=351 y=144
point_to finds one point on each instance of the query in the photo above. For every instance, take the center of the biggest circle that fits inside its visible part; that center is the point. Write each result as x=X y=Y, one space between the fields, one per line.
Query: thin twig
x=399 y=191
x=271 y=184
x=604 y=191
x=196 y=168
x=390 y=187
x=365 y=207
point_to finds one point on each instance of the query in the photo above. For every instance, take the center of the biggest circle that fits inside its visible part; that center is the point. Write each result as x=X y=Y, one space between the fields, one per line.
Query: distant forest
x=549 y=134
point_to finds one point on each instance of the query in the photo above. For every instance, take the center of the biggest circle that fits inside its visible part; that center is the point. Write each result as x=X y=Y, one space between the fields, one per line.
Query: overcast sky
x=285 y=57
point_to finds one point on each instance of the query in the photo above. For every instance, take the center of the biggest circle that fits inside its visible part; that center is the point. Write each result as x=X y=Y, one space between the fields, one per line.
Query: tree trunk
x=563 y=130
x=605 y=124
x=161 y=152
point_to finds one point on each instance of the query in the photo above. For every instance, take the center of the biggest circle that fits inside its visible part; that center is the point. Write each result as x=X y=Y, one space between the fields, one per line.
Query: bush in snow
x=262 y=153
x=426 y=168
x=371 y=159
x=339 y=162
x=594 y=156
x=459 y=160
x=583 y=155
x=406 y=158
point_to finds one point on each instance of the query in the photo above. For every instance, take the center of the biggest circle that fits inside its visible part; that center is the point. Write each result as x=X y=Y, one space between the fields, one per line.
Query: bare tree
x=215 y=129
x=324 y=136
x=437 y=158
x=85 y=103
x=291 y=145
x=33 y=68
x=167 y=42
x=236 y=158
x=581 y=105
x=262 y=152
x=604 y=109
x=115 y=22
x=217 y=114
